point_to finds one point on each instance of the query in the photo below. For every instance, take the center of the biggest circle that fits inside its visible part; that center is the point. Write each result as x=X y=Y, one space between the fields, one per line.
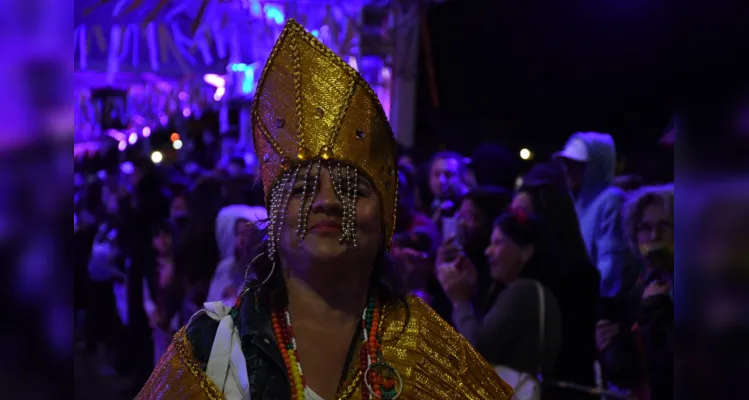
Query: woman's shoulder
x=433 y=358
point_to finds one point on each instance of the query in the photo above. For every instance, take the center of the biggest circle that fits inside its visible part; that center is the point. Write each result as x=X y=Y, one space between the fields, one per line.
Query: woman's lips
x=326 y=226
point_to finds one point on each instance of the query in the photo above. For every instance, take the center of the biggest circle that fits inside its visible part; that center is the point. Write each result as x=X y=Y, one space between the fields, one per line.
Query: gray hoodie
x=599 y=206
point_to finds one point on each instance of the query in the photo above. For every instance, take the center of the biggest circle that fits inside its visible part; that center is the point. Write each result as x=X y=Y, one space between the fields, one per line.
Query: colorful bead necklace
x=380 y=379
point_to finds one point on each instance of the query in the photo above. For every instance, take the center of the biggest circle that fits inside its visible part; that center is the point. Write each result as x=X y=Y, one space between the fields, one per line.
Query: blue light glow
x=316 y=33
x=255 y=9
x=274 y=13
x=248 y=85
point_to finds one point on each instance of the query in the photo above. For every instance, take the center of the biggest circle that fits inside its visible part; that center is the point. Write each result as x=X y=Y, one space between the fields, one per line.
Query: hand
x=449 y=252
x=414 y=261
x=655 y=288
x=605 y=332
x=458 y=279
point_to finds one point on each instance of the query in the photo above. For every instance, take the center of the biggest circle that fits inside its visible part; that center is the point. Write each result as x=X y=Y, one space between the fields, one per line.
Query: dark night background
x=528 y=74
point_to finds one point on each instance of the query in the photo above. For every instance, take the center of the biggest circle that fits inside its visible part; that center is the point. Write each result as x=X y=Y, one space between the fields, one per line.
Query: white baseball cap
x=575 y=150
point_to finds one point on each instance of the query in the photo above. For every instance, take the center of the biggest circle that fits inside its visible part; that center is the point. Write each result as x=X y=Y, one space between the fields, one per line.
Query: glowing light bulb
x=122 y=145
x=177 y=144
x=156 y=157
x=174 y=137
x=146 y=132
x=525 y=154
x=132 y=138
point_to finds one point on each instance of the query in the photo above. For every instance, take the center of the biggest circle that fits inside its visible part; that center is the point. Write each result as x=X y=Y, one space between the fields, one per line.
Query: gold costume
x=311 y=105
x=434 y=361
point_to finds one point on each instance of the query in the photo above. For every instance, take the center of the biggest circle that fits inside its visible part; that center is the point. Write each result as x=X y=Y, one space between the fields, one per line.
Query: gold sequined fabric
x=434 y=360
x=178 y=376
x=310 y=104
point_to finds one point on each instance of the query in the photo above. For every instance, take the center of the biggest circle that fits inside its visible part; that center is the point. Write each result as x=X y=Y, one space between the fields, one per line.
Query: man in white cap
x=589 y=159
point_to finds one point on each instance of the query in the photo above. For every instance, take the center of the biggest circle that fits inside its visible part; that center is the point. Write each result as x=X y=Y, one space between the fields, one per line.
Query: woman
x=544 y=193
x=235 y=224
x=637 y=351
x=508 y=332
x=328 y=169
x=477 y=211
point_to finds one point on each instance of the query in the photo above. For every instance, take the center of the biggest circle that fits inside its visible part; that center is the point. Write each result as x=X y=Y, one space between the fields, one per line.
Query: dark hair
x=553 y=203
x=491 y=200
x=406 y=204
x=526 y=229
x=161 y=226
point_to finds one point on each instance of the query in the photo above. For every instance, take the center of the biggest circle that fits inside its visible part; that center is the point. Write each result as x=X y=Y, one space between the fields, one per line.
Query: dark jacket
x=265 y=366
x=641 y=356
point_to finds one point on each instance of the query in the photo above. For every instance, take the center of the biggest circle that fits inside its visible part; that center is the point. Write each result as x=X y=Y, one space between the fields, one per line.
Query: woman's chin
x=324 y=247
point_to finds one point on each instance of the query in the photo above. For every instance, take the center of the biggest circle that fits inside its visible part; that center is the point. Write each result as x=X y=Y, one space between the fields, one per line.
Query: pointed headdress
x=311 y=106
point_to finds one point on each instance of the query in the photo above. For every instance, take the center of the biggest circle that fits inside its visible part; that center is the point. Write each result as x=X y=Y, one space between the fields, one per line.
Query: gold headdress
x=311 y=106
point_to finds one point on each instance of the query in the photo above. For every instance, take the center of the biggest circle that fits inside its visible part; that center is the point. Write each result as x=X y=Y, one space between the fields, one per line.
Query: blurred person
x=508 y=331
x=237 y=166
x=494 y=165
x=589 y=160
x=179 y=210
x=448 y=182
x=226 y=225
x=544 y=193
x=239 y=190
x=713 y=287
x=628 y=183
x=161 y=291
x=638 y=351
x=414 y=242
x=197 y=252
x=140 y=208
x=477 y=211
x=235 y=224
x=105 y=270
x=323 y=268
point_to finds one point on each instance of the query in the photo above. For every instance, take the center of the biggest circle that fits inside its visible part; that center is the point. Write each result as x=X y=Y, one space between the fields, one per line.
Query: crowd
x=564 y=272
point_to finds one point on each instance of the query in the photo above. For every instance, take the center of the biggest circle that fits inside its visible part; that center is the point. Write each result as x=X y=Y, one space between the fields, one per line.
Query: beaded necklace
x=380 y=379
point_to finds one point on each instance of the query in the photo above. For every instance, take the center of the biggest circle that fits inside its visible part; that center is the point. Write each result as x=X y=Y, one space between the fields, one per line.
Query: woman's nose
x=326 y=199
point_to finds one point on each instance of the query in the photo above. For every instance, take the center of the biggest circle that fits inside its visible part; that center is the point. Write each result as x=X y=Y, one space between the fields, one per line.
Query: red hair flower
x=520 y=215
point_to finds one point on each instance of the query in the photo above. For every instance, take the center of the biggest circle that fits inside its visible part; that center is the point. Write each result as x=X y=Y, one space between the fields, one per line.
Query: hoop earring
x=267 y=278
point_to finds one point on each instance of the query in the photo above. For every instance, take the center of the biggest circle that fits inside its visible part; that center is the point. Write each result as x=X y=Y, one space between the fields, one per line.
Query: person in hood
x=234 y=225
x=589 y=160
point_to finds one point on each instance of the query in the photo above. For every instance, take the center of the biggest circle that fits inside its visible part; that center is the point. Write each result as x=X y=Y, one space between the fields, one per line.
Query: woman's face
x=242 y=230
x=655 y=226
x=524 y=201
x=506 y=258
x=162 y=242
x=178 y=207
x=472 y=223
x=322 y=242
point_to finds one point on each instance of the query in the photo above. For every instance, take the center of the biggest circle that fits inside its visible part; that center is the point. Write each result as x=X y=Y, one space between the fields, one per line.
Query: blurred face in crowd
x=655 y=225
x=574 y=172
x=162 y=242
x=506 y=258
x=242 y=230
x=523 y=201
x=472 y=223
x=322 y=245
x=110 y=200
x=178 y=208
x=236 y=168
x=444 y=177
